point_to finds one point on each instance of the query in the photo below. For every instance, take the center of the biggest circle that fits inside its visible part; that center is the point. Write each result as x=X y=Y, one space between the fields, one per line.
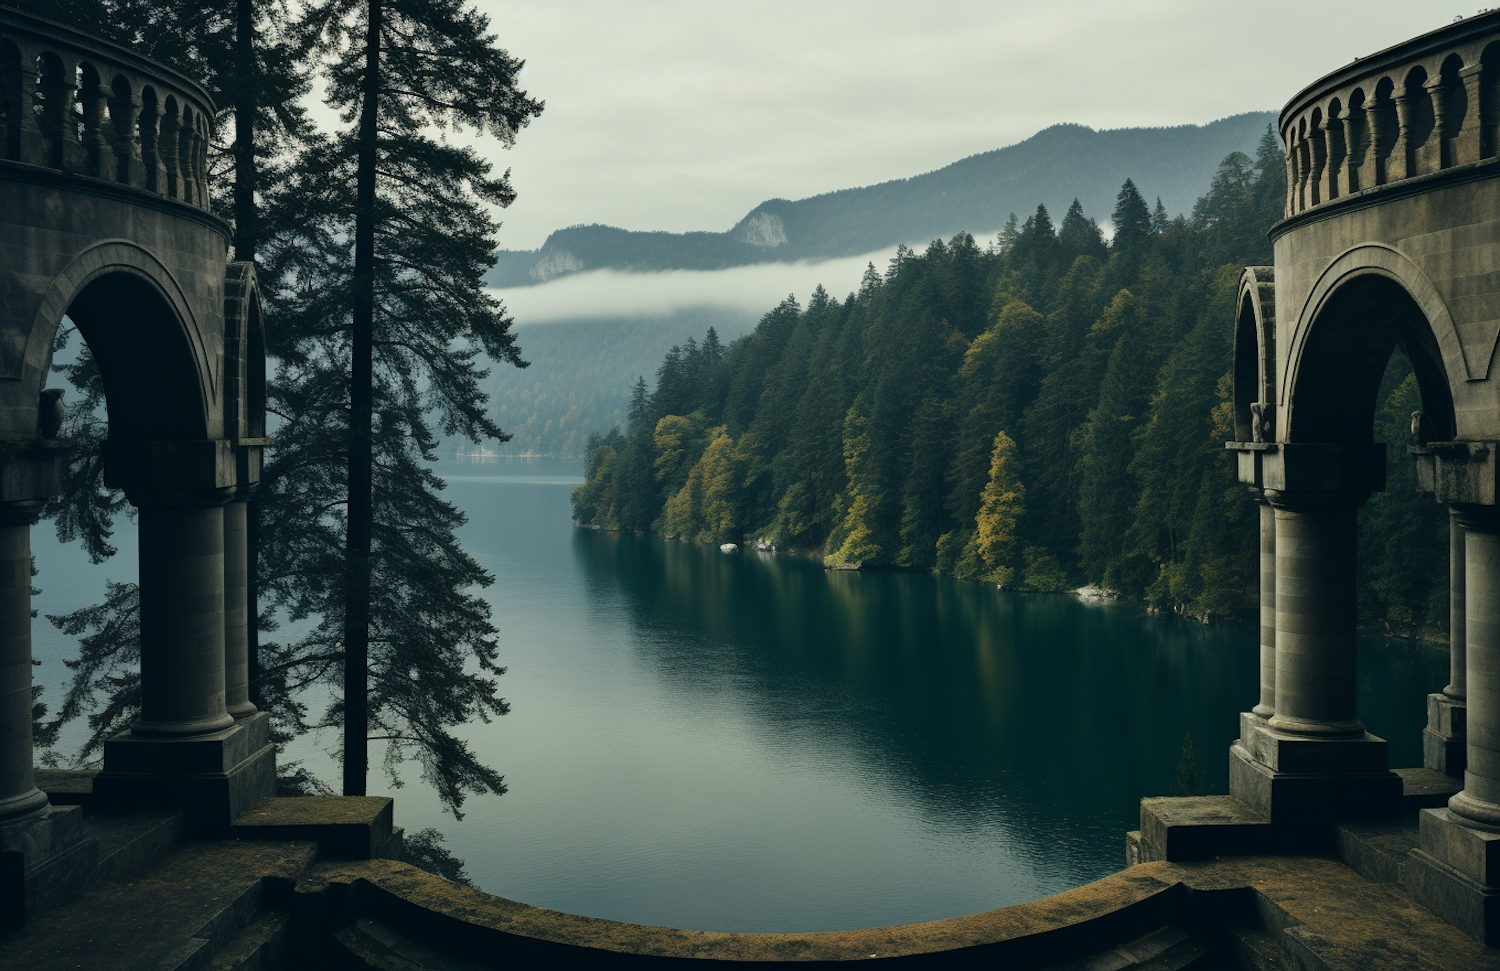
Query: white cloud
x=610 y=293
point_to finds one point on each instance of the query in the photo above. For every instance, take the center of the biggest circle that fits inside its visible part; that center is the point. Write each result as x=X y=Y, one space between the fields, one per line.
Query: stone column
x=237 y=607
x=1457 y=609
x=182 y=613
x=1455 y=871
x=1312 y=760
x=1443 y=745
x=1316 y=613
x=1479 y=802
x=1267 y=706
x=185 y=750
x=18 y=792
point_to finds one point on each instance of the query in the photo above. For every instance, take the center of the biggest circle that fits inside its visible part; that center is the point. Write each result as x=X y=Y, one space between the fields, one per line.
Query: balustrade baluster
x=99 y=157
x=124 y=114
x=155 y=178
x=1304 y=172
x=1466 y=141
x=1437 y=90
x=1352 y=119
x=1401 y=151
x=1319 y=148
x=167 y=149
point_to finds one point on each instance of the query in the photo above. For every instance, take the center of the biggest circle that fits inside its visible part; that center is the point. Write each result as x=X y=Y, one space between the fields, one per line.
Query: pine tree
x=415 y=209
x=1131 y=219
x=1080 y=236
x=1160 y=221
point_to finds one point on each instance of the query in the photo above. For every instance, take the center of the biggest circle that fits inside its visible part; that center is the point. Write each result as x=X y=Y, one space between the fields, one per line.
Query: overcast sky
x=684 y=114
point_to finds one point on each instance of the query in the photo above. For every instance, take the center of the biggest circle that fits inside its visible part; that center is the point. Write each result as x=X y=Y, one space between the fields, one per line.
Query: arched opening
x=1246 y=369
x=1337 y=378
x=150 y=379
x=1371 y=371
x=255 y=371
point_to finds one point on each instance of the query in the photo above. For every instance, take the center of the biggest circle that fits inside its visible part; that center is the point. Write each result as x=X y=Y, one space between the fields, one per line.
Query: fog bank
x=611 y=293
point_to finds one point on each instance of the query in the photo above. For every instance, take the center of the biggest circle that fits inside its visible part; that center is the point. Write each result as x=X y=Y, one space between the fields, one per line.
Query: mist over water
x=757 y=289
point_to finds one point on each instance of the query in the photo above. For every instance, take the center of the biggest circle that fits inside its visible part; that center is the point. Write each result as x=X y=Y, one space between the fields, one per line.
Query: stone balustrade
x=72 y=103
x=1426 y=106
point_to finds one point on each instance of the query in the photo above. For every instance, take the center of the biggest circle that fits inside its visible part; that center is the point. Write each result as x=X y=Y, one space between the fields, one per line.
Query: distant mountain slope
x=976 y=194
x=581 y=373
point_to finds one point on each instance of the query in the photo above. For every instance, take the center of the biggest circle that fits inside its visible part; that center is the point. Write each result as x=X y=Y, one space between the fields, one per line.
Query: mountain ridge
x=976 y=193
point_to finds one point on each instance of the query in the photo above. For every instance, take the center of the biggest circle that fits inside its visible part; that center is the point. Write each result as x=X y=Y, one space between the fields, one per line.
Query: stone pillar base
x=214 y=777
x=1299 y=778
x=1455 y=873
x=42 y=857
x=1445 y=737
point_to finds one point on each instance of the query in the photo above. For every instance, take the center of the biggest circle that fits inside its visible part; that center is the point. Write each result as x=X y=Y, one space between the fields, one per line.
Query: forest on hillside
x=1042 y=413
x=975 y=193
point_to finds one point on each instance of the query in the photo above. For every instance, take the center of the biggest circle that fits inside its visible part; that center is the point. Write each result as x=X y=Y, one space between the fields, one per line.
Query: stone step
x=1254 y=949
x=344 y=827
x=1426 y=789
x=370 y=944
x=1169 y=948
x=178 y=916
x=1327 y=917
x=1377 y=849
x=67 y=787
x=1200 y=828
x=1203 y=827
x=133 y=842
x=264 y=944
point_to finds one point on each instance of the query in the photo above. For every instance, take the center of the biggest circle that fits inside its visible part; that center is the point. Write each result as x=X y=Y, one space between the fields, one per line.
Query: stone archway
x=1367 y=302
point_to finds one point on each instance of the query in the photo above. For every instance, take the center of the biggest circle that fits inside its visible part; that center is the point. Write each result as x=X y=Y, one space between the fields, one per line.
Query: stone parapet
x=1412 y=110
x=80 y=105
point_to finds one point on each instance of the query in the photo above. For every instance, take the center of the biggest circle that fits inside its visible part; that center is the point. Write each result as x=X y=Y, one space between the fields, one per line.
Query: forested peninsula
x=1042 y=413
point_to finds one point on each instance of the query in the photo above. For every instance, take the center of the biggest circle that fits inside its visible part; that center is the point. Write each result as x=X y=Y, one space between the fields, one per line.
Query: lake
x=746 y=742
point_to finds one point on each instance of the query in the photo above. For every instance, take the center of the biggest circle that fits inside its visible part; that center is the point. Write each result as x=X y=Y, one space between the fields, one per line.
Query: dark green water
x=745 y=742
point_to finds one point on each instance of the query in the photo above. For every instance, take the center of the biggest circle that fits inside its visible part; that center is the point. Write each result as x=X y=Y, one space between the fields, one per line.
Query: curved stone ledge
x=1424 y=106
x=1067 y=926
x=1297 y=911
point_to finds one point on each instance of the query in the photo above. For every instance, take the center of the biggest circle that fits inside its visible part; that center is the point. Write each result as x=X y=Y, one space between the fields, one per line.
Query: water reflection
x=1037 y=718
x=1040 y=718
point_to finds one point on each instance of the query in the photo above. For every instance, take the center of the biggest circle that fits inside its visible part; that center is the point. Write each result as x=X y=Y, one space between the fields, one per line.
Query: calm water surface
x=745 y=742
